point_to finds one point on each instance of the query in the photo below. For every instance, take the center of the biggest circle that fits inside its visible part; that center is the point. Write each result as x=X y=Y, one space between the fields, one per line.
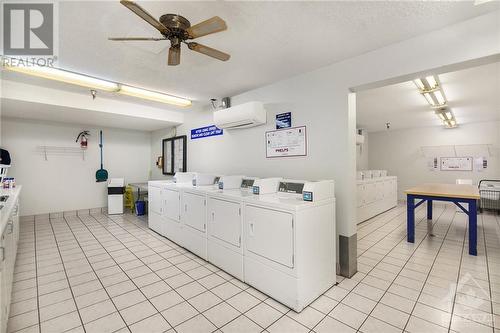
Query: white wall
x=399 y=151
x=67 y=182
x=156 y=150
x=319 y=100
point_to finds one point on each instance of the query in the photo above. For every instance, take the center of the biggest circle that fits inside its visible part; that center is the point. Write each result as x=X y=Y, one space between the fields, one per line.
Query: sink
x=3 y=198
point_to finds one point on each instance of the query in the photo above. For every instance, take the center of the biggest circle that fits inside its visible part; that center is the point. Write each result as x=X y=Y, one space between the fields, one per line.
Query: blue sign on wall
x=205 y=132
x=284 y=120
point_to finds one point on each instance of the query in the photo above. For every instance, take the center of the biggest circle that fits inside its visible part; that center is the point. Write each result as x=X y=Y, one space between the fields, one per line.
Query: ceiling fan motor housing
x=177 y=25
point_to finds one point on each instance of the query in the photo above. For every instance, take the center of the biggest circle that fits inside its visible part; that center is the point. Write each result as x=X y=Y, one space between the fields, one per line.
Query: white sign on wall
x=286 y=142
x=456 y=163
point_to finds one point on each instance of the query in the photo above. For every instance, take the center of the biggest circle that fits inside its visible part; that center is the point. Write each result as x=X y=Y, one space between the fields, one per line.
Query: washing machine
x=290 y=242
x=155 y=213
x=193 y=216
x=225 y=223
x=171 y=206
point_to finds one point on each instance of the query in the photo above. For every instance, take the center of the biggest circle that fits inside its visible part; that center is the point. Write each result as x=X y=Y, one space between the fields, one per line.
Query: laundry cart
x=489 y=191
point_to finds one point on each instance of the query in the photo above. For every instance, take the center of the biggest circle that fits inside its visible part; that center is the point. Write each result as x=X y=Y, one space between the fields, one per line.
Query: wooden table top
x=446 y=190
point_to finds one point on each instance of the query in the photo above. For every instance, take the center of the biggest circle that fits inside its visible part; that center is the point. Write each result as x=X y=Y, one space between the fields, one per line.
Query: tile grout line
x=66 y=274
x=402 y=268
x=224 y=301
x=358 y=282
x=458 y=278
x=140 y=259
x=93 y=270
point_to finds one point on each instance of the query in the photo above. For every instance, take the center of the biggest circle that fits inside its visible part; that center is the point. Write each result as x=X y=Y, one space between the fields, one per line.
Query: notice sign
x=286 y=142
x=456 y=163
x=284 y=120
x=205 y=132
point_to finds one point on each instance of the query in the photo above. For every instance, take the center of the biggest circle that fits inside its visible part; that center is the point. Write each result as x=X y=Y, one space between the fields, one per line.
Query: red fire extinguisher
x=82 y=136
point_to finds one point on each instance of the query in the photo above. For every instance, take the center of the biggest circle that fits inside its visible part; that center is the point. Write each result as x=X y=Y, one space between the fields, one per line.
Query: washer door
x=224 y=221
x=269 y=234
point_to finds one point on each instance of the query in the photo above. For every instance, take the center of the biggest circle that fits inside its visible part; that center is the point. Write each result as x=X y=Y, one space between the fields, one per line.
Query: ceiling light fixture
x=153 y=96
x=64 y=76
x=431 y=81
x=83 y=80
x=431 y=89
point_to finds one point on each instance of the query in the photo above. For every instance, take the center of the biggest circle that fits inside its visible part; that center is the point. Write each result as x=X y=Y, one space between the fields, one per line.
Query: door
x=171 y=204
x=193 y=211
x=154 y=197
x=224 y=221
x=269 y=234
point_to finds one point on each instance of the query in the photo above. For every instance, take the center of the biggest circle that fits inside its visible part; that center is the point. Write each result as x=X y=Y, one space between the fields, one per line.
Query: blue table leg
x=410 y=218
x=429 y=209
x=472 y=227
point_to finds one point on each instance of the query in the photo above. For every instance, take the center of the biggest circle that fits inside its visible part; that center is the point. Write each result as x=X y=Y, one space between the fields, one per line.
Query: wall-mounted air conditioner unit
x=241 y=116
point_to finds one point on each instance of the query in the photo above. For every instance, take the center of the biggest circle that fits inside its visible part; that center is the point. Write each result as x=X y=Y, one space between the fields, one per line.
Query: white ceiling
x=260 y=37
x=63 y=114
x=473 y=95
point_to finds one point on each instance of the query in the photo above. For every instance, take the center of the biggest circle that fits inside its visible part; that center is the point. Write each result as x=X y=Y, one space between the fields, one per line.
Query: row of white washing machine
x=276 y=235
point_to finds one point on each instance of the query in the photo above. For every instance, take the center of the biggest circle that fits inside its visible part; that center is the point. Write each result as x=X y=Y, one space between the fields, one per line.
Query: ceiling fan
x=177 y=30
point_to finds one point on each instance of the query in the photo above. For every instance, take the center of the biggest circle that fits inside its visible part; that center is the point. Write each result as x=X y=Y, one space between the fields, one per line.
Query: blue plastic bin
x=140 y=208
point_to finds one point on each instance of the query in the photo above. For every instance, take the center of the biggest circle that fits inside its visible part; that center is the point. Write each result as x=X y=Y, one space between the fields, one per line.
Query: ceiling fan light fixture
x=61 y=75
x=153 y=96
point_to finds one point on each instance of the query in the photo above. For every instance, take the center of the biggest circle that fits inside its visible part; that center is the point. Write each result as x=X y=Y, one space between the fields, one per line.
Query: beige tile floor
x=99 y=273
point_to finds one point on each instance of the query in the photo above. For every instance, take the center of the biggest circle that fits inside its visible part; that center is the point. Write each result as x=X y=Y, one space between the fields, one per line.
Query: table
x=457 y=193
x=140 y=187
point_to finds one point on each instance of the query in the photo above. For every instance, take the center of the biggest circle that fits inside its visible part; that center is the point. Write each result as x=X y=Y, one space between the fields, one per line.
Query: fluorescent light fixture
x=440 y=97
x=153 y=96
x=83 y=80
x=480 y=2
x=432 y=82
x=420 y=85
x=64 y=76
x=429 y=99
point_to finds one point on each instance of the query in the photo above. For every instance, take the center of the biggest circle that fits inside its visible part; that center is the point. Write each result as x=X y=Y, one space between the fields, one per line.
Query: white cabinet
x=8 y=250
x=269 y=234
x=375 y=196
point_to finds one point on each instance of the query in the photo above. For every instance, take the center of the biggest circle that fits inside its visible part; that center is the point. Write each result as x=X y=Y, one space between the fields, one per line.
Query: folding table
x=457 y=193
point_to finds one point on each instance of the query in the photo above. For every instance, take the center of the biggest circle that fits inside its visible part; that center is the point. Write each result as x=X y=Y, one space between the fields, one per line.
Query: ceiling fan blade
x=134 y=38
x=139 y=11
x=174 y=55
x=210 y=26
x=208 y=51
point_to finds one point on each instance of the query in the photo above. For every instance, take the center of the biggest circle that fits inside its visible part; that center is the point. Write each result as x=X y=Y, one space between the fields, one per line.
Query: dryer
x=194 y=213
x=155 y=213
x=224 y=214
x=171 y=206
x=290 y=242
